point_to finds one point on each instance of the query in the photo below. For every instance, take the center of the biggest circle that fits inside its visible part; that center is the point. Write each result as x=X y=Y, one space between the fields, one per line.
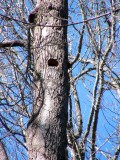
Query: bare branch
x=13 y=44
x=117 y=153
x=77 y=109
x=79 y=46
x=96 y=110
x=83 y=73
x=74 y=23
x=92 y=108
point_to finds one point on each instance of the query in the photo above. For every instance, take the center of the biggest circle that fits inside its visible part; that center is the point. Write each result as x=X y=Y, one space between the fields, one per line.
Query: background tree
x=3 y=154
x=93 y=49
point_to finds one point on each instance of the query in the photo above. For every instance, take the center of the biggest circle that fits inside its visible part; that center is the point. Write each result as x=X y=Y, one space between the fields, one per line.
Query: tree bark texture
x=46 y=133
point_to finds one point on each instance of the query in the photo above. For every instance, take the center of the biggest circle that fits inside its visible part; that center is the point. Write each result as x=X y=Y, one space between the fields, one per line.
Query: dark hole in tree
x=31 y=17
x=52 y=62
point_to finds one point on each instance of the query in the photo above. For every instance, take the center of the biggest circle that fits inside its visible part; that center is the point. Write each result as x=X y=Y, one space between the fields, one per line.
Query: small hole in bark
x=52 y=62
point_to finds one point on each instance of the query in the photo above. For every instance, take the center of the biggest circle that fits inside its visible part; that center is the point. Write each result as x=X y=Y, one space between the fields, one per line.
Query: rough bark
x=46 y=134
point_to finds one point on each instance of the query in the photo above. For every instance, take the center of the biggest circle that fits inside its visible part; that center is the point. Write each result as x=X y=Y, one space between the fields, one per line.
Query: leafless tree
x=60 y=79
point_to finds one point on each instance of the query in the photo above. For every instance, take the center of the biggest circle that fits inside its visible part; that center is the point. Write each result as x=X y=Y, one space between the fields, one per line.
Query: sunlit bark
x=46 y=135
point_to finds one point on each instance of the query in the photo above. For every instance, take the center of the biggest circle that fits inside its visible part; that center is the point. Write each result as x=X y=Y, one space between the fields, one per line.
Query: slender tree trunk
x=46 y=134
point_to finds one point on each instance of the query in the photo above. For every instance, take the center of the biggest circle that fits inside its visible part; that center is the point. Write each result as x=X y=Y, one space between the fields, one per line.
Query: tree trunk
x=46 y=134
